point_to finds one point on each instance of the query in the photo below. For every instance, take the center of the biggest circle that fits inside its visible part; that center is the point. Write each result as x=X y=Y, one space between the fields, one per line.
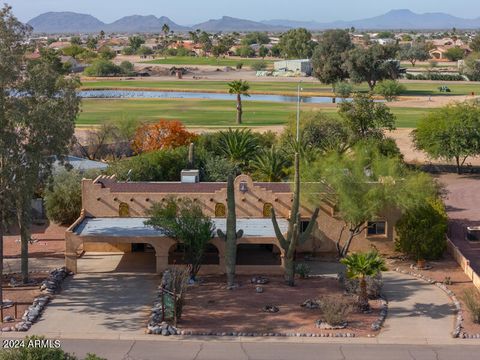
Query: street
x=265 y=350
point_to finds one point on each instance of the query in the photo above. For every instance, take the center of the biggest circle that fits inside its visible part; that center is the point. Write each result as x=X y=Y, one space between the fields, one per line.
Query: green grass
x=210 y=113
x=196 y=60
x=414 y=88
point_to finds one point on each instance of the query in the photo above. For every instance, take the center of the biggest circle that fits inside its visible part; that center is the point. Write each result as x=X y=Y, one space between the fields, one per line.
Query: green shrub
x=343 y=89
x=389 y=89
x=102 y=67
x=422 y=231
x=63 y=196
x=303 y=270
x=259 y=65
x=435 y=76
x=162 y=165
x=126 y=68
x=239 y=65
x=471 y=299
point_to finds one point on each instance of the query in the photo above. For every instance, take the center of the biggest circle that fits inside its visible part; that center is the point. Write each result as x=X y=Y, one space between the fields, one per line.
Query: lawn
x=210 y=113
x=197 y=60
x=414 y=88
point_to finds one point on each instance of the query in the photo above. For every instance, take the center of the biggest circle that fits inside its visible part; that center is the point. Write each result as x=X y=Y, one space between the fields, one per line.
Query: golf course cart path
x=416 y=310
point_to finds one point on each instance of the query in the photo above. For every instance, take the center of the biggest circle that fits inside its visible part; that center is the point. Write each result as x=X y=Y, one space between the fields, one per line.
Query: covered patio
x=264 y=253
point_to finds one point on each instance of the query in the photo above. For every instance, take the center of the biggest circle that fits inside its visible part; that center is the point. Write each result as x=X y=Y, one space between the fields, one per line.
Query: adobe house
x=113 y=215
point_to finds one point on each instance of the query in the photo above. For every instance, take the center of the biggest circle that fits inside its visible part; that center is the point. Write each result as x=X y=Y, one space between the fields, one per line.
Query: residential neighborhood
x=242 y=187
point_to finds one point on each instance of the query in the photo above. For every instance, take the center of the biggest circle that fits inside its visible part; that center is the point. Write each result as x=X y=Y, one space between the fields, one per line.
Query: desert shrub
x=239 y=65
x=127 y=68
x=422 y=231
x=63 y=196
x=218 y=168
x=343 y=89
x=303 y=270
x=352 y=286
x=472 y=301
x=389 y=89
x=161 y=165
x=335 y=311
x=259 y=65
x=102 y=67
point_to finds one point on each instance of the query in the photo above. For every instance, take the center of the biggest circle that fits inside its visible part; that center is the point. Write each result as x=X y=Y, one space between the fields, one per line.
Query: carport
x=133 y=231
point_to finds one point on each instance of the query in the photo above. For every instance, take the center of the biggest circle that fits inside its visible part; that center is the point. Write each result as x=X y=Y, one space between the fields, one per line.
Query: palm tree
x=238 y=145
x=239 y=88
x=166 y=29
x=360 y=266
x=270 y=165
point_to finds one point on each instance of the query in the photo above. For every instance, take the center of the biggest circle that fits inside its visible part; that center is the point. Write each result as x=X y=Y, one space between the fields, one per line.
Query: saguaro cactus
x=294 y=236
x=232 y=234
x=191 y=156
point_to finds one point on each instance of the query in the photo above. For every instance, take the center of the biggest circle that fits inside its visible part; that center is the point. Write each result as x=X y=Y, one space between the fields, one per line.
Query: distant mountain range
x=393 y=20
x=69 y=22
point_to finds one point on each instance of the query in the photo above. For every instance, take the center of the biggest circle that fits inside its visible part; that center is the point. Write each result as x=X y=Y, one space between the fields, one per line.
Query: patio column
x=71 y=261
x=162 y=263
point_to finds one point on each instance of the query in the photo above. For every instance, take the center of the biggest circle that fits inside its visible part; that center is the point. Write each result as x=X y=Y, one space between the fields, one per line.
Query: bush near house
x=422 y=231
x=63 y=196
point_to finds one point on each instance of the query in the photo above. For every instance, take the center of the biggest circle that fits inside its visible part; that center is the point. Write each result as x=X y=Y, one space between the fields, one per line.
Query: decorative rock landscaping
x=310 y=304
x=270 y=309
x=49 y=287
x=377 y=325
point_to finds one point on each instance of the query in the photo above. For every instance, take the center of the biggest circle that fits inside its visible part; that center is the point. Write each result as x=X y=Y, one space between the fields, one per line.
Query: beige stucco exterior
x=104 y=197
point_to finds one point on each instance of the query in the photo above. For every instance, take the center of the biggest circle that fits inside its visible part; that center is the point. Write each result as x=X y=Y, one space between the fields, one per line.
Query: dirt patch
x=440 y=270
x=48 y=241
x=212 y=308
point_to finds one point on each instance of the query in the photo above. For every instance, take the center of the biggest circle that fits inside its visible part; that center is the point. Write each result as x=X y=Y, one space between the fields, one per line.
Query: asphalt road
x=222 y=350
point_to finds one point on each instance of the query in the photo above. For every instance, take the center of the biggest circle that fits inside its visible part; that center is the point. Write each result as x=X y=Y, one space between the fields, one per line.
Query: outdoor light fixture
x=243 y=187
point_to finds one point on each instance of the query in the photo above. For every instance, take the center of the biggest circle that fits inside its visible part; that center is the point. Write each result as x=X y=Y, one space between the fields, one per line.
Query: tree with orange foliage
x=162 y=135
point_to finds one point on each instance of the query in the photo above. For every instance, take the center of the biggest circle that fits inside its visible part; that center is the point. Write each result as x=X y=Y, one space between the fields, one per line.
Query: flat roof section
x=135 y=227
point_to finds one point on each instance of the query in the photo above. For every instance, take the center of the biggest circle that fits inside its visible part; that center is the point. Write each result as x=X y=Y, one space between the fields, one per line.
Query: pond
x=139 y=94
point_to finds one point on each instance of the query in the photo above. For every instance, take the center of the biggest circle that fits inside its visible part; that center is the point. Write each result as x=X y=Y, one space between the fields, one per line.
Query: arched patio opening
x=176 y=255
x=258 y=254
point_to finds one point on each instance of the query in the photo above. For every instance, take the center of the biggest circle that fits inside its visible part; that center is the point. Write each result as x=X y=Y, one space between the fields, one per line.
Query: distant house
x=386 y=41
x=79 y=164
x=303 y=66
x=59 y=45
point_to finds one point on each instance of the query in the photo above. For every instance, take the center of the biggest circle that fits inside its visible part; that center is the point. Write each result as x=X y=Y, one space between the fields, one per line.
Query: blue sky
x=188 y=12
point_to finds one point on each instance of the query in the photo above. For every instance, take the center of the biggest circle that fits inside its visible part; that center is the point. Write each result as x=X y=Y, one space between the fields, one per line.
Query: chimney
x=190 y=176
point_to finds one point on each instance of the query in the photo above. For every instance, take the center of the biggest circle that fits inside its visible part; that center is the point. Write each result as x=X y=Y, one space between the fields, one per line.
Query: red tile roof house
x=114 y=212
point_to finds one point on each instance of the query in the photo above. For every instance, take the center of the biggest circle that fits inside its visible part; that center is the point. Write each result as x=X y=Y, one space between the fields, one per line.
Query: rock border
x=49 y=287
x=457 y=331
x=378 y=324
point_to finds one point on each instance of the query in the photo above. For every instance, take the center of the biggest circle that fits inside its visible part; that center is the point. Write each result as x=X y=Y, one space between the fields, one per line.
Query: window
x=304 y=225
x=377 y=228
x=267 y=210
x=123 y=210
x=220 y=210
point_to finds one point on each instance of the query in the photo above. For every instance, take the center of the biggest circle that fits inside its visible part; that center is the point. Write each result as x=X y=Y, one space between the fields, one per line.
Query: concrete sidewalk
x=416 y=310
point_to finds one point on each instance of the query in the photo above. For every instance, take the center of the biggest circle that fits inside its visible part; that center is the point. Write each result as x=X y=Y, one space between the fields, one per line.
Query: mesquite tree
x=232 y=234
x=294 y=236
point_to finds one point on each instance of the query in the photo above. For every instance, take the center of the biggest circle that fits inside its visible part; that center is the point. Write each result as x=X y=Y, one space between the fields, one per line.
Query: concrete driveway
x=112 y=294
